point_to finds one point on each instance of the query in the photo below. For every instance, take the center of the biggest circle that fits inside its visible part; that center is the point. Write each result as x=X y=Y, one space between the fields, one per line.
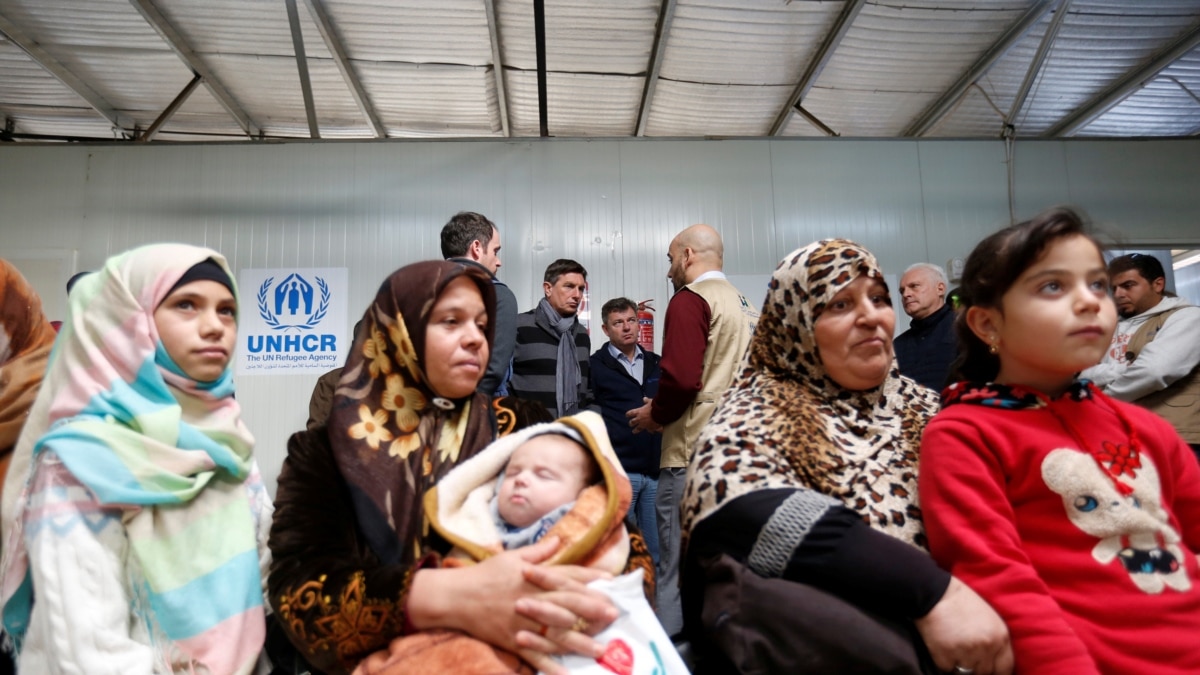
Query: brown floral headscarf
x=785 y=423
x=392 y=437
x=25 y=340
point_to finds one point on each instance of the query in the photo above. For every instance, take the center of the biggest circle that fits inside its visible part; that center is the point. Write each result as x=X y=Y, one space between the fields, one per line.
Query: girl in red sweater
x=1076 y=516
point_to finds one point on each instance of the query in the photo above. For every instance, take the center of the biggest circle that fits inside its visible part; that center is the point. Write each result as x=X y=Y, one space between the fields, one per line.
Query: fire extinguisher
x=646 y=325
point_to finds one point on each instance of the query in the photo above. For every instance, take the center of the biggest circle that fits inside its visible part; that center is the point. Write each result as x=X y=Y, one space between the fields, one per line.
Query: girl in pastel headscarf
x=138 y=536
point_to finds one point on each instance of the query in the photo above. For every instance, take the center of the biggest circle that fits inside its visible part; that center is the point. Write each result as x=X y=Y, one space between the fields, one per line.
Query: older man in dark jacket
x=926 y=351
x=623 y=376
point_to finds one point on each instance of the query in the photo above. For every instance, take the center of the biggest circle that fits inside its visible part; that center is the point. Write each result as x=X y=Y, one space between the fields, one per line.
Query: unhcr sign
x=292 y=320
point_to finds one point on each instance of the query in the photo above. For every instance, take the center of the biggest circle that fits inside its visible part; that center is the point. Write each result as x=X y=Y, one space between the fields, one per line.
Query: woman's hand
x=567 y=612
x=508 y=599
x=965 y=635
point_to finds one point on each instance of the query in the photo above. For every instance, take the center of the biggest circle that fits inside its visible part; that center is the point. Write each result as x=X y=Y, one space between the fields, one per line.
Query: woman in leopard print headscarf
x=806 y=476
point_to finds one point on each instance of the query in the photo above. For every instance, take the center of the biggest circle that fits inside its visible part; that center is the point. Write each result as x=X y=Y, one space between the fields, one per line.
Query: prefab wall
x=613 y=205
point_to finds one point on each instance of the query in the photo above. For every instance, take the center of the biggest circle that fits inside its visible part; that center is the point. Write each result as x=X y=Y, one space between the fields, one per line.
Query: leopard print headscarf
x=784 y=423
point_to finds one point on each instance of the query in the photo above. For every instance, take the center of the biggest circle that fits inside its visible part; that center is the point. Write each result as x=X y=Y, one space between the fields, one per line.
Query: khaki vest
x=1179 y=403
x=732 y=324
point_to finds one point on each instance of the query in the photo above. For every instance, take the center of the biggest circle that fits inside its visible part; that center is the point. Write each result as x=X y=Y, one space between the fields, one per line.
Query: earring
x=992 y=348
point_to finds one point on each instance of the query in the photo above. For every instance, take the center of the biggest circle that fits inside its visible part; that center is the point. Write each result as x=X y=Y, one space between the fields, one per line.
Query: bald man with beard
x=705 y=335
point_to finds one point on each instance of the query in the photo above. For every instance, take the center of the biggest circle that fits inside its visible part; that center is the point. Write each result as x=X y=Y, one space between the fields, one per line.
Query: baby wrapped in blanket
x=560 y=478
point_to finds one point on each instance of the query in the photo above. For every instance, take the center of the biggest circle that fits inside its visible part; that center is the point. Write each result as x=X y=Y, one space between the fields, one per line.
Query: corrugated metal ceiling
x=108 y=69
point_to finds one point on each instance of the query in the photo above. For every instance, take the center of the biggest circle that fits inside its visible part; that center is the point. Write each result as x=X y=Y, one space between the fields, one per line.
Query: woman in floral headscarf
x=25 y=340
x=804 y=546
x=355 y=562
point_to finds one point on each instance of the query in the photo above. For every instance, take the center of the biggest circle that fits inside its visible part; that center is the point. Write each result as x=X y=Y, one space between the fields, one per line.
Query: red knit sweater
x=1088 y=553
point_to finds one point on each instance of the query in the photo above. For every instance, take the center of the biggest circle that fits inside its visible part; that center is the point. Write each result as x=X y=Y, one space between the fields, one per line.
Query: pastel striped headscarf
x=172 y=452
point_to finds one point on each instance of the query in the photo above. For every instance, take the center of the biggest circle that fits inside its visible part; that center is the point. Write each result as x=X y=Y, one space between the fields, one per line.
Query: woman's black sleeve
x=807 y=537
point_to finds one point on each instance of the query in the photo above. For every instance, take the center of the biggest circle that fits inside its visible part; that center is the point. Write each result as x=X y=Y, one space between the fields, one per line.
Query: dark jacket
x=616 y=392
x=495 y=380
x=926 y=350
x=321 y=401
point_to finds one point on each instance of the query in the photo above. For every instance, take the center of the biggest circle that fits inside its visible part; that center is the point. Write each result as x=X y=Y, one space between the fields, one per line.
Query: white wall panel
x=1145 y=192
x=1041 y=179
x=1139 y=192
x=41 y=197
x=374 y=206
x=867 y=191
x=964 y=192
x=669 y=185
x=577 y=189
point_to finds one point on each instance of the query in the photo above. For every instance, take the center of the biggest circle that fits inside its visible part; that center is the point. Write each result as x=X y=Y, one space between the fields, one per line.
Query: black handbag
x=753 y=625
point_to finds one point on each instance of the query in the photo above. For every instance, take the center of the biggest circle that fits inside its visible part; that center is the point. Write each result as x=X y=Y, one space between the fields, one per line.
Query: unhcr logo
x=300 y=323
x=293 y=303
x=293 y=297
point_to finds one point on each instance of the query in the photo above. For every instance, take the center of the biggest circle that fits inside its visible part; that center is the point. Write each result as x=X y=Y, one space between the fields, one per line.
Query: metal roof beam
x=950 y=98
x=1035 y=66
x=1189 y=92
x=817 y=123
x=1183 y=86
x=539 y=39
x=334 y=44
x=1131 y=82
x=58 y=70
x=497 y=67
x=666 y=15
x=194 y=63
x=310 y=108
x=840 y=27
x=169 y=111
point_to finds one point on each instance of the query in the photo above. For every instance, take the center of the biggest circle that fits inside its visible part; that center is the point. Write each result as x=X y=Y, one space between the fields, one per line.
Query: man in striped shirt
x=550 y=362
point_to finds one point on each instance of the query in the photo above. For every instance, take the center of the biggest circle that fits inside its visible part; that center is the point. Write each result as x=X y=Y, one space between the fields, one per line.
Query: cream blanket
x=591 y=534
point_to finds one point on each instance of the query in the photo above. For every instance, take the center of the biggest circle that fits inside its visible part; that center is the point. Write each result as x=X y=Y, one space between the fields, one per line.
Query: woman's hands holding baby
x=568 y=612
x=512 y=602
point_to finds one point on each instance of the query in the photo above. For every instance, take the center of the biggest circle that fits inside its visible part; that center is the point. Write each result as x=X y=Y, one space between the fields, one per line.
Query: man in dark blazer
x=623 y=376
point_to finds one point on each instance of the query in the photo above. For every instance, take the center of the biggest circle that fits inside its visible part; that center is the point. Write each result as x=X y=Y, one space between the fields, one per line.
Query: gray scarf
x=566 y=376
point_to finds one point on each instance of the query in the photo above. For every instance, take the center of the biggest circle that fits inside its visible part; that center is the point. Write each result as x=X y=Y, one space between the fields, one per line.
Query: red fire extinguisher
x=646 y=325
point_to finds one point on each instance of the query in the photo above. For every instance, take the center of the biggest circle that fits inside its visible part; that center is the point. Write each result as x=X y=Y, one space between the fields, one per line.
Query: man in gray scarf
x=550 y=362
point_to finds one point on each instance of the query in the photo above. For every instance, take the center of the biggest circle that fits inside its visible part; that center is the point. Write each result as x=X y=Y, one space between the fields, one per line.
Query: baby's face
x=544 y=473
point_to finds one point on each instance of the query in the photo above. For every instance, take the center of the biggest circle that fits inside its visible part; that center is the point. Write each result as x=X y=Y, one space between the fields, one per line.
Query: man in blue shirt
x=623 y=376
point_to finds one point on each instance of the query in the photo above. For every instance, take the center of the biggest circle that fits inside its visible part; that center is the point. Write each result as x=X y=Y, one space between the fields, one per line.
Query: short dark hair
x=563 y=266
x=464 y=228
x=992 y=268
x=1147 y=265
x=75 y=279
x=616 y=305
